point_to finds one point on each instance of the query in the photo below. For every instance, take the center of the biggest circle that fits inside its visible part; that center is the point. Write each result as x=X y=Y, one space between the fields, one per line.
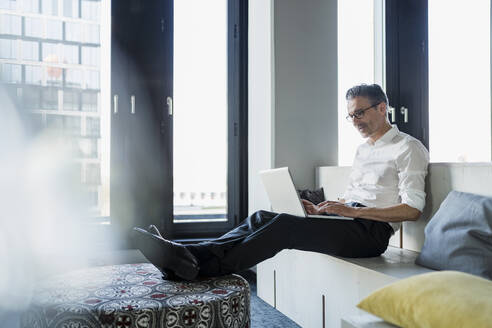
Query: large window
x=459 y=81
x=66 y=96
x=438 y=65
x=356 y=65
x=200 y=102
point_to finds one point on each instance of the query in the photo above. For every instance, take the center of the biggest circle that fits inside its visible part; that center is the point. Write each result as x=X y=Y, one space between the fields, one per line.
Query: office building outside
x=50 y=66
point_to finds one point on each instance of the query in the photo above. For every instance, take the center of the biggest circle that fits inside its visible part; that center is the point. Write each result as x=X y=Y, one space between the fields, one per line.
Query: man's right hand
x=310 y=207
x=315 y=209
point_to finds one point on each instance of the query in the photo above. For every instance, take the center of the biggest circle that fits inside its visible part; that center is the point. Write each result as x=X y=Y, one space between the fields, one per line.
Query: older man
x=386 y=187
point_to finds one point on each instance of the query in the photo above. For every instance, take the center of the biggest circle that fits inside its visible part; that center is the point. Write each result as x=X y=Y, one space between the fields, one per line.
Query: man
x=386 y=187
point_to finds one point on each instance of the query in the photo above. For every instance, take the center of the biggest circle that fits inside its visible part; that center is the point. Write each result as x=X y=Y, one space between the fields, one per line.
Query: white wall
x=260 y=99
x=306 y=126
x=292 y=90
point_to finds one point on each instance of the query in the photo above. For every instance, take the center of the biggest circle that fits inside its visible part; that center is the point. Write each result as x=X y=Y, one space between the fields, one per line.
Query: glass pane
x=50 y=7
x=355 y=66
x=71 y=8
x=200 y=115
x=459 y=81
x=30 y=50
x=49 y=98
x=10 y=24
x=54 y=29
x=54 y=64
x=8 y=49
x=33 y=27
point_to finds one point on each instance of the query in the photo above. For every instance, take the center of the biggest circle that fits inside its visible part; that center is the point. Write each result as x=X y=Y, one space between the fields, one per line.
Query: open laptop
x=283 y=194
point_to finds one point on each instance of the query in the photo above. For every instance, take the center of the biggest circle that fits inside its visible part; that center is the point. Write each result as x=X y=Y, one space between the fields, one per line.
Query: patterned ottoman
x=135 y=295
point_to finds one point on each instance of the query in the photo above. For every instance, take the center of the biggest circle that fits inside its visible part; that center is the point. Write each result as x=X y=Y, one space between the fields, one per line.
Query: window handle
x=391 y=111
x=132 y=103
x=115 y=104
x=169 y=101
x=404 y=112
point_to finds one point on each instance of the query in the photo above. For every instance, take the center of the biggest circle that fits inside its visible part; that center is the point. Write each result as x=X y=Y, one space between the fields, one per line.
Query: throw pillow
x=438 y=299
x=459 y=235
x=314 y=196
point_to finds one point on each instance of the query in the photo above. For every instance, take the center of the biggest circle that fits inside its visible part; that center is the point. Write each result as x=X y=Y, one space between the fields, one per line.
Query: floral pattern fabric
x=136 y=295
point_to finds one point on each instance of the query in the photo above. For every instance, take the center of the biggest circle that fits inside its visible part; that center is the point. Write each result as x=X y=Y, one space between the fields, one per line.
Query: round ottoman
x=135 y=295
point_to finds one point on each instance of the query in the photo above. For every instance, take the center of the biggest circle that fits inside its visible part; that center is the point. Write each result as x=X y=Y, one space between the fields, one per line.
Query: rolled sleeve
x=412 y=170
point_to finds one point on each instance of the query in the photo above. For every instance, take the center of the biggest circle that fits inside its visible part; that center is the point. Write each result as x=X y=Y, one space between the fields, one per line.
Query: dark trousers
x=264 y=234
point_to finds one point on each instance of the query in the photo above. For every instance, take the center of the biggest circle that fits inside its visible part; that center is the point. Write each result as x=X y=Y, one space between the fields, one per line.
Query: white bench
x=317 y=290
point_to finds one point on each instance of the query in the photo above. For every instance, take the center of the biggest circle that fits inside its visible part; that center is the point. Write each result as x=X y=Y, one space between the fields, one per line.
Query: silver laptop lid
x=282 y=192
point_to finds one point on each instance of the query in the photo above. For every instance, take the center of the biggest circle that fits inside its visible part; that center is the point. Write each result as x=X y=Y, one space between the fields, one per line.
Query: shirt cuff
x=413 y=198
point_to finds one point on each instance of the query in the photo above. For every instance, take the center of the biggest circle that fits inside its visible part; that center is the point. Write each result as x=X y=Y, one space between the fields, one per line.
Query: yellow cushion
x=438 y=299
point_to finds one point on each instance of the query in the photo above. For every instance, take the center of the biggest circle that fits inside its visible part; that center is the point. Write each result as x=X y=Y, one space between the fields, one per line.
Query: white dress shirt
x=389 y=172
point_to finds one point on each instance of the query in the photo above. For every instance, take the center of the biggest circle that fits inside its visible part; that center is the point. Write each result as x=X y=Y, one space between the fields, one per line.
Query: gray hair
x=373 y=92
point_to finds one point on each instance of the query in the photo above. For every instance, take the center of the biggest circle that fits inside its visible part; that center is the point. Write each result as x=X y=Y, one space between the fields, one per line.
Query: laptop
x=283 y=194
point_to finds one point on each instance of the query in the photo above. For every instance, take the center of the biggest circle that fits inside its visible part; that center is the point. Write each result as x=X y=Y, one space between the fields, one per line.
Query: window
x=92 y=79
x=197 y=23
x=11 y=73
x=459 y=81
x=8 y=4
x=356 y=49
x=93 y=127
x=34 y=74
x=33 y=27
x=89 y=102
x=54 y=75
x=10 y=24
x=90 y=56
x=55 y=123
x=54 y=29
x=50 y=7
x=91 y=10
x=73 y=32
x=71 y=100
x=47 y=89
x=51 y=52
x=73 y=78
x=31 y=97
x=30 y=50
x=8 y=49
x=92 y=34
x=70 y=54
x=71 y=125
x=49 y=98
x=30 y=6
x=71 y=8
x=440 y=58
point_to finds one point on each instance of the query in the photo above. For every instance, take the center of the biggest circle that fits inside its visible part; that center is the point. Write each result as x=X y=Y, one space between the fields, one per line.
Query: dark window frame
x=407 y=68
x=154 y=72
x=237 y=195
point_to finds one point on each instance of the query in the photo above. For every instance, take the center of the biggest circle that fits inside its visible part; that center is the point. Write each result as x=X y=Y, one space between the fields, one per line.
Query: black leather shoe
x=166 y=254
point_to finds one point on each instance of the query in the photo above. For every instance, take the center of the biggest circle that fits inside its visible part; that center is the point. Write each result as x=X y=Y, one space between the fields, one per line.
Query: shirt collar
x=387 y=137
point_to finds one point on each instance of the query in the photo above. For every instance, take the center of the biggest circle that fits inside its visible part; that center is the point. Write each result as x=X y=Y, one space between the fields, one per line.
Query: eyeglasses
x=358 y=114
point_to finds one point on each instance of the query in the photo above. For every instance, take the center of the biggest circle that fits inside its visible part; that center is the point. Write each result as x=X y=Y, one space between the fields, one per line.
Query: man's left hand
x=340 y=209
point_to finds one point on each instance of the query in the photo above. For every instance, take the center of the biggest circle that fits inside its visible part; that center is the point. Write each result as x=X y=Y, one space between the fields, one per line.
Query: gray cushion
x=459 y=235
x=314 y=196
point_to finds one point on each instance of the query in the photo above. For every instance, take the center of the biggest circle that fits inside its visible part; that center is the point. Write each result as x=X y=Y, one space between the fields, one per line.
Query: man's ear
x=382 y=108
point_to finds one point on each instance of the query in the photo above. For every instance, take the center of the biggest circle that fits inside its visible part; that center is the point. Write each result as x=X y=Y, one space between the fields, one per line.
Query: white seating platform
x=317 y=290
x=395 y=262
